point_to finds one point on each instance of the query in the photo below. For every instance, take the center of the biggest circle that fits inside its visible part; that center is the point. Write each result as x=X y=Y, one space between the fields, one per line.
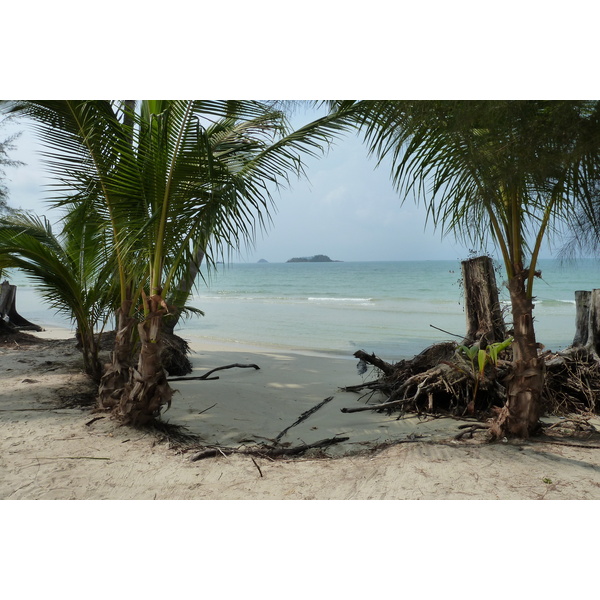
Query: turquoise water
x=390 y=308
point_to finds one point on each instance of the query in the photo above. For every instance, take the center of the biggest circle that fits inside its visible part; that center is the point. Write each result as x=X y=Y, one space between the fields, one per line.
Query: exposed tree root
x=435 y=380
x=439 y=380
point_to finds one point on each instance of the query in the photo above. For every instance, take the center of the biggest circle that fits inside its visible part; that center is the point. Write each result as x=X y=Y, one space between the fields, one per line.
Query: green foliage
x=484 y=357
x=478 y=358
x=66 y=268
x=515 y=171
x=149 y=189
x=6 y=146
x=164 y=180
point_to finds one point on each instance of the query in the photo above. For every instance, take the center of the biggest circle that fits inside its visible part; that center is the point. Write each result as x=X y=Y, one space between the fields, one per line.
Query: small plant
x=547 y=480
x=483 y=357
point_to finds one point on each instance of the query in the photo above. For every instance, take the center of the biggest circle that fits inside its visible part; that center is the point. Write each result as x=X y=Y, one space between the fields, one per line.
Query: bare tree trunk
x=485 y=324
x=520 y=415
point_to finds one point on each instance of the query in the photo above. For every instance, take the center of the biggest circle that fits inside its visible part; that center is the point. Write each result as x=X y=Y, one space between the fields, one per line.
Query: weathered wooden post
x=485 y=324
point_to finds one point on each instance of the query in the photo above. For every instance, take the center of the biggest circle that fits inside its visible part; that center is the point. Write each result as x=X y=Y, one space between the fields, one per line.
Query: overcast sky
x=348 y=209
x=345 y=208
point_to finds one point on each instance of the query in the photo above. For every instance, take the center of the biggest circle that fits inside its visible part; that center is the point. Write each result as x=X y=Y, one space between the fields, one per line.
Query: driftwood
x=303 y=417
x=206 y=377
x=432 y=384
x=267 y=451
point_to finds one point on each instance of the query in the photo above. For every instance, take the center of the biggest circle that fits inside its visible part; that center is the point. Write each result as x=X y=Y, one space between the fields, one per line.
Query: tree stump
x=587 y=320
x=11 y=319
x=485 y=324
x=582 y=317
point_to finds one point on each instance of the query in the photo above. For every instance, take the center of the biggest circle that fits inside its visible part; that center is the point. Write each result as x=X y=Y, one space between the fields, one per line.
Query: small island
x=316 y=258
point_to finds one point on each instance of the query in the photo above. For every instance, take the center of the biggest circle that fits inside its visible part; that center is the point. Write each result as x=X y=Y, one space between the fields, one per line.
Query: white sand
x=50 y=453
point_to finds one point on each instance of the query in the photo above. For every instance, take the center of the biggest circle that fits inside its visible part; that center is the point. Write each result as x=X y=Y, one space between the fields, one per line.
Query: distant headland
x=315 y=258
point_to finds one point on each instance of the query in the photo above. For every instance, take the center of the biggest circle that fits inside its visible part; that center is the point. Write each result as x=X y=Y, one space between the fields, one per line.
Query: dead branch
x=206 y=375
x=469 y=430
x=371 y=385
x=266 y=451
x=303 y=417
x=256 y=465
x=381 y=406
x=383 y=366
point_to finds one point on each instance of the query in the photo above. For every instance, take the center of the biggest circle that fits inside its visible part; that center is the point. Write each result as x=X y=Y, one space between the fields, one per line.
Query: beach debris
x=212 y=406
x=266 y=451
x=206 y=377
x=361 y=367
x=442 y=380
x=256 y=465
x=303 y=417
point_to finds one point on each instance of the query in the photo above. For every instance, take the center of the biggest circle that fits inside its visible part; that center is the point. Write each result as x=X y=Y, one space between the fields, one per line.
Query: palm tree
x=165 y=181
x=67 y=268
x=511 y=171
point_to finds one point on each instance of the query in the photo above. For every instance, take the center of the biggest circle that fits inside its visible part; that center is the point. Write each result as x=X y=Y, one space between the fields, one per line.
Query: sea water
x=394 y=309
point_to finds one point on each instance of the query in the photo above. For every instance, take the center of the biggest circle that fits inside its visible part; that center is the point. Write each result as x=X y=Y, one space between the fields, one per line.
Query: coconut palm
x=165 y=181
x=71 y=278
x=508 y=171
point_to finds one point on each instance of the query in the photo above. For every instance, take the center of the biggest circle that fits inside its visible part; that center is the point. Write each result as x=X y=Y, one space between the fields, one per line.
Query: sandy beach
x=50 y=449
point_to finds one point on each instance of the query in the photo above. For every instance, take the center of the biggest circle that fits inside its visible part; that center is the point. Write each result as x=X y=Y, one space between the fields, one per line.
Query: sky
x=346 y=207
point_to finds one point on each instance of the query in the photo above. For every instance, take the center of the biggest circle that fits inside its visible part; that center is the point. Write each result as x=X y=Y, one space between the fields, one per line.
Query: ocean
x=394 y=309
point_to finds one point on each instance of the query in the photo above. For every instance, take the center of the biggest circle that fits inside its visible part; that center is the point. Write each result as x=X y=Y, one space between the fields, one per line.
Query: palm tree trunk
x=114 y=380
x=520 y=415
x=89 y=348
x=147 y=390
